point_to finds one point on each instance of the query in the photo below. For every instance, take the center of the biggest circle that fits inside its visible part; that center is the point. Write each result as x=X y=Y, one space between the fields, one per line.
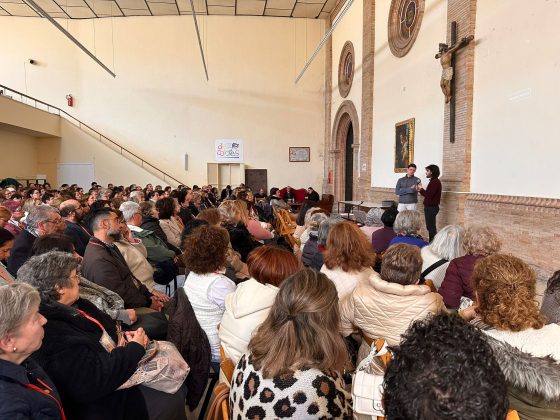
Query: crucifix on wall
x=446 y=56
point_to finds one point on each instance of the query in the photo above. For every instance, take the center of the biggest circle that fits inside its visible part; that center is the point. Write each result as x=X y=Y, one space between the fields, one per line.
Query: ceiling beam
x=42 y=12
x=325 y=39
x=199 y=40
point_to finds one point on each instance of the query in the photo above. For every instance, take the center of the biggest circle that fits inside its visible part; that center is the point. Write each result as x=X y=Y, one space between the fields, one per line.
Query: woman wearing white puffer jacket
x=385 y=306
x=249 y=305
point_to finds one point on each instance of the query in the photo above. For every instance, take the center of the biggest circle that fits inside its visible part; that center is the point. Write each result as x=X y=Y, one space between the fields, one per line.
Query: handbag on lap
x=162 y=368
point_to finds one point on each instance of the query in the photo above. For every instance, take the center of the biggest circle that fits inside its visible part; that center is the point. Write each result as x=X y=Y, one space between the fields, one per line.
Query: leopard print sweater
x=305 y=394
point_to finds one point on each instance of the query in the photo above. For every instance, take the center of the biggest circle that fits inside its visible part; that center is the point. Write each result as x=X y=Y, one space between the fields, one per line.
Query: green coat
x=157 y=250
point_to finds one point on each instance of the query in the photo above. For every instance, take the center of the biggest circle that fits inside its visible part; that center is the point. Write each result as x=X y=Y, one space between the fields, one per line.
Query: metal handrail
x=61 y=113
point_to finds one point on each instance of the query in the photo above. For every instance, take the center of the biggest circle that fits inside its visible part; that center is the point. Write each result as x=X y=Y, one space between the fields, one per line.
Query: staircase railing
x=123 y=151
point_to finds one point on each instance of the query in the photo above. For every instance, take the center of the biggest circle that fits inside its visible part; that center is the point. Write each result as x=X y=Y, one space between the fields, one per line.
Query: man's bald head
x=71 y=210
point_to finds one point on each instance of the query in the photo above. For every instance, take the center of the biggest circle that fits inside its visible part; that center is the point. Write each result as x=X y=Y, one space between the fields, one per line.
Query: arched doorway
x=345 y=144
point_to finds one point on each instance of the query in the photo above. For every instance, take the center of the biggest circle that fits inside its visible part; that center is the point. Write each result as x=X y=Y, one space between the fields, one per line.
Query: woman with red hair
x=249 y=305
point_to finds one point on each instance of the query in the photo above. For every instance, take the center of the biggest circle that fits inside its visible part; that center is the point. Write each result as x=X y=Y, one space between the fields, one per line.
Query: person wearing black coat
x=21 y=251
x=83 y=354
x=26 y=392
x=192 y=342
x=79 y=235
x=311 y=255
x=86 y=375
x=241 y=240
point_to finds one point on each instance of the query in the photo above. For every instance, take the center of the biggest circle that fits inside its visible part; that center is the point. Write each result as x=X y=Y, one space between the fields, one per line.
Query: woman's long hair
x=302 y=328
x=348 y=248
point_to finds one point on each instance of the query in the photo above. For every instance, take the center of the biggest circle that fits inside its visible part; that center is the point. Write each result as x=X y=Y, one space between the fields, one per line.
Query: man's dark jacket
x=106 y=266
x=79 y=235
x=20 y=252
x=190 y=339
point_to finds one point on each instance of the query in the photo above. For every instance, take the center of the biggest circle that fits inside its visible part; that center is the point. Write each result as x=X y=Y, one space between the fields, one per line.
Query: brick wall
x=529 y=227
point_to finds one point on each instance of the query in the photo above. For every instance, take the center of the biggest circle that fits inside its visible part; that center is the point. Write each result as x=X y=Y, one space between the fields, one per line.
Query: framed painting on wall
x=299 y=154
x=404 y=144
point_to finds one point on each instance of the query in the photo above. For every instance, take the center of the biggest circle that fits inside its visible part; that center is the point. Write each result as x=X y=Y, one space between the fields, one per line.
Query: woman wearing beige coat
x=169 y=222
x=385 y=306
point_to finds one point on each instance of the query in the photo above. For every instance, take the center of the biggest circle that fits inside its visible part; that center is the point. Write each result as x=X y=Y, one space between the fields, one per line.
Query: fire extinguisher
x=329 y=178
x=70 y=100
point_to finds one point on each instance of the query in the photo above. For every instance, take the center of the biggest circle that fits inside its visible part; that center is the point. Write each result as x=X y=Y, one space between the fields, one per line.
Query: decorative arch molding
x=346 y=67
x=345 y=116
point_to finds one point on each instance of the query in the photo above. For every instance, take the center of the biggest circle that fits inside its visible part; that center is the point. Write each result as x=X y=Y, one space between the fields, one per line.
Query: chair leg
x=213 y=381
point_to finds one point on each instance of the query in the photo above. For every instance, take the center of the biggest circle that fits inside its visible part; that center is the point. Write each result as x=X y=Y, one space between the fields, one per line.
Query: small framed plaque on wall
x=299 y=154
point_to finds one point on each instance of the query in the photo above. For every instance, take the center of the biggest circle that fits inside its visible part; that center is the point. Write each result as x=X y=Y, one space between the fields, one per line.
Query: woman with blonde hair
x=295 y=359
x=506 y=309
x=348 y=259
x=456 y=288
x=234 y=220
x=255 y=228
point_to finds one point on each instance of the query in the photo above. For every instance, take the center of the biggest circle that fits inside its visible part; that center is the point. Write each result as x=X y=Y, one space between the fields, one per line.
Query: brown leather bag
x=219 y=409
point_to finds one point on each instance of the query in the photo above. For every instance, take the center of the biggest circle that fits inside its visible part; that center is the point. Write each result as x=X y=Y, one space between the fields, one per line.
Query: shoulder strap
x=431 y=268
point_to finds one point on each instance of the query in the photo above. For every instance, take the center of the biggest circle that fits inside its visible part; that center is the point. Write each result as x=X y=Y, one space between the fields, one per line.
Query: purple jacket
x=381 y=237
x=457 y=280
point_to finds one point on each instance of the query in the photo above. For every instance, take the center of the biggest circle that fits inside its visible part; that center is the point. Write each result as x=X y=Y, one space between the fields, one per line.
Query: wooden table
x=357 y=204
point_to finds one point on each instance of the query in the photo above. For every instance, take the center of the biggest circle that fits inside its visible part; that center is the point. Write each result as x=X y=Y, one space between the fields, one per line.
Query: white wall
x=408 y=87
x=349 y=29
x=18 y=158
x=160 y=105
x=516 y=138
x=77 y=146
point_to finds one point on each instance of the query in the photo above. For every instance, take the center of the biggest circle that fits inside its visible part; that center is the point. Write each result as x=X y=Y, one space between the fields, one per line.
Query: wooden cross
x=446 y=55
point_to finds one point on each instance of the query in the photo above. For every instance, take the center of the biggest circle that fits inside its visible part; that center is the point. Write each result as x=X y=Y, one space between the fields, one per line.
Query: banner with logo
x=229 y=150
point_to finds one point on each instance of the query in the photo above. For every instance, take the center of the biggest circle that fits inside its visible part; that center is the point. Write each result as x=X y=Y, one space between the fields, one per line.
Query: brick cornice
x=532 y=203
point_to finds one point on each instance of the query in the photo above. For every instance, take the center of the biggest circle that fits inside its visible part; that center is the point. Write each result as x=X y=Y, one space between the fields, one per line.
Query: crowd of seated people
x=83 y=275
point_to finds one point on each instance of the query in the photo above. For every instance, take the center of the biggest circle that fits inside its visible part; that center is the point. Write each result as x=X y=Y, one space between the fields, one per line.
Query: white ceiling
x=88 y=9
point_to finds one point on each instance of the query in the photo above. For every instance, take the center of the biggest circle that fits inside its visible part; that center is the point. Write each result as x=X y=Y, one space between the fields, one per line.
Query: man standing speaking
x=406 y=189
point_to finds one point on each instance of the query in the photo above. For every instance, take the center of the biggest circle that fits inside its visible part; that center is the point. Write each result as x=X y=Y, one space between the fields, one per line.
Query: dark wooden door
x=256 y=179
x=349 y=166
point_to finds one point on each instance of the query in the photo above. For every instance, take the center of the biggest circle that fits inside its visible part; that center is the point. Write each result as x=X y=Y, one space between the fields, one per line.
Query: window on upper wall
x=346 y=69
x=405 y=18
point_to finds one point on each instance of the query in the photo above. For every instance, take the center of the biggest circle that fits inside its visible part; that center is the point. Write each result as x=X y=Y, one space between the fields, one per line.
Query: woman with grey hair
x=25 y=389
x=304 y=237
x=446 y=246
x=373 y=221
x=407 y=227
x=83 y=353
x=312 y=255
